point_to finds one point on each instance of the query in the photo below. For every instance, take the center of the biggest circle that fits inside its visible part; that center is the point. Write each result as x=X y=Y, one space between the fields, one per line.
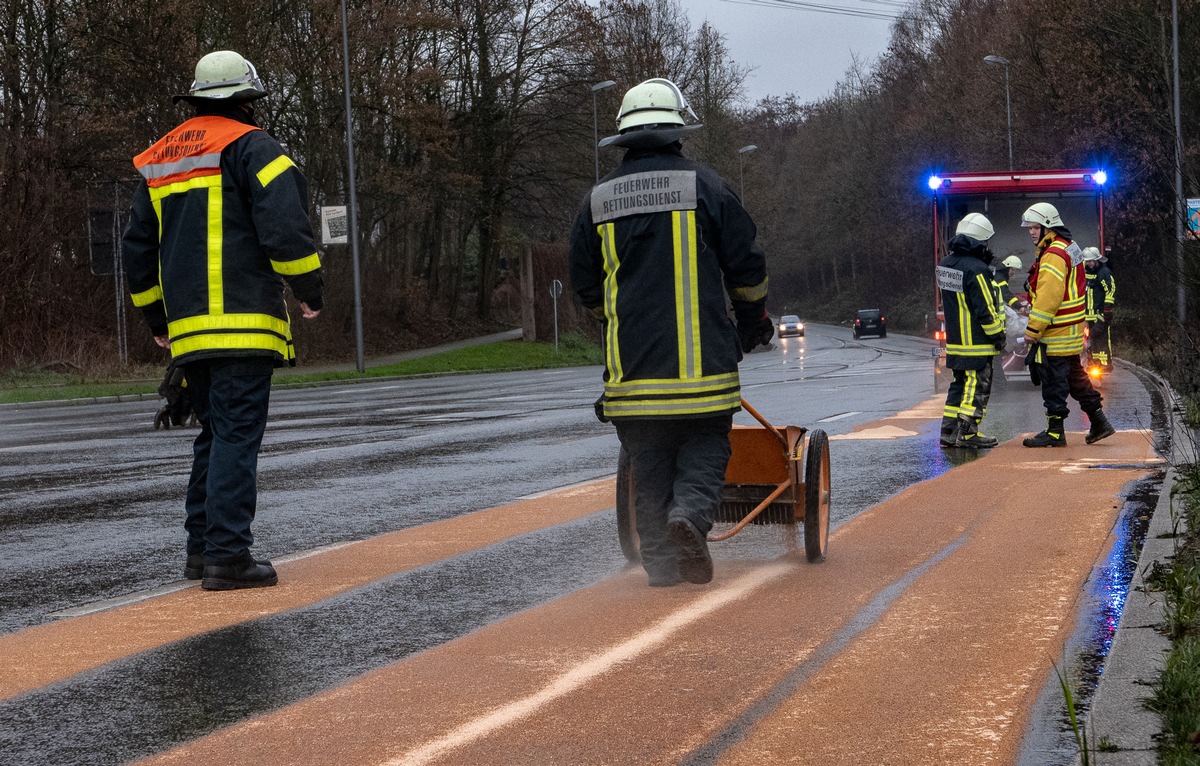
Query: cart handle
x=782 y=438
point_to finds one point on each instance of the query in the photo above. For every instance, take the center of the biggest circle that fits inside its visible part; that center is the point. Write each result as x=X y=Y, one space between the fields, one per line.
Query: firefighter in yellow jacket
x=655 y=247
x=1058 y=293
x=218 y=227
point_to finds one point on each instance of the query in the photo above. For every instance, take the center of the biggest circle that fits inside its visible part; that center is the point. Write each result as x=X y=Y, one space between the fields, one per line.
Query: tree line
x=473 y=134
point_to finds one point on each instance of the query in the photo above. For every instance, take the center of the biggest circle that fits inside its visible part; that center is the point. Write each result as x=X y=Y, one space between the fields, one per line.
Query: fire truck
x=1003 y=197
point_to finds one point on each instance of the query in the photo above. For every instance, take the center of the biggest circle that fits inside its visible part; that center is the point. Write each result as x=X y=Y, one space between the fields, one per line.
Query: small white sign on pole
x=335 y=225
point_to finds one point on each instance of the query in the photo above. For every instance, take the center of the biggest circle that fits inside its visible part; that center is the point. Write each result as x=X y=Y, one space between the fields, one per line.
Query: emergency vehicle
x=1003 y=196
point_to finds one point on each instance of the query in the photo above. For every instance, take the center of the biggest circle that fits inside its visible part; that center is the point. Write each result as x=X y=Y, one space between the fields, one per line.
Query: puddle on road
x=1050 y=740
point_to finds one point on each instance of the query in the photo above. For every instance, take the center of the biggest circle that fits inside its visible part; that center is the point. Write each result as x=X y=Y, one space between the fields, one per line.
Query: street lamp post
x=741 y=170
x=1001 y=61
x=360 y=363
x=596 y=123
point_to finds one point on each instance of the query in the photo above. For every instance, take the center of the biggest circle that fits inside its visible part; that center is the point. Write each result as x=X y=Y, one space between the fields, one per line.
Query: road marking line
x=832 y=418
x=585 y=672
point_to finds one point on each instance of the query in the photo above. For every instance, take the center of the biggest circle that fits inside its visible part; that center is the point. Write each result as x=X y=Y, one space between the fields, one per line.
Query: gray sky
x=796 y=51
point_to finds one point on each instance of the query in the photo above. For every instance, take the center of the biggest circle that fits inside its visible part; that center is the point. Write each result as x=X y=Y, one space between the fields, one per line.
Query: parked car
x=790 y=324
x=870 y=322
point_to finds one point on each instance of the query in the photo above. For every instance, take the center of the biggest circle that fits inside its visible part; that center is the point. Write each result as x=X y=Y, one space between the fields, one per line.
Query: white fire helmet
x=657 y=101
x=1091 y=254
x=1012 y=262
x=976 y=226
x=1041 y=214
x=225 y=75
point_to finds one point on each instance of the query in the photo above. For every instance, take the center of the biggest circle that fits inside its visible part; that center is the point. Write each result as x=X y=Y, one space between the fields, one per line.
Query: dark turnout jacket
x=220 y=224
x=975 y=317
x=654 y=250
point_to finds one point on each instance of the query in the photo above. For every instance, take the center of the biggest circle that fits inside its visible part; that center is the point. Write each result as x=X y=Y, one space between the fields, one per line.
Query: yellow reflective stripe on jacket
x=975 y=349
x=212 y=184
x=687 y=293
x=670 y=386
x=216 y=249
x=989 y=298
x=722 y=402
x=233 y=341
x=146 y=297
x=274 y=168
x=299 y=266
x=608 y=249
x=259 y=332
x=750 y=293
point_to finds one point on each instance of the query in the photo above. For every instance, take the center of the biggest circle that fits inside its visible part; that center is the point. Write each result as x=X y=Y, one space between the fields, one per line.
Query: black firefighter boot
x=1053 y=436
x=1100 y=428
x=949 y=431
x=969 y=436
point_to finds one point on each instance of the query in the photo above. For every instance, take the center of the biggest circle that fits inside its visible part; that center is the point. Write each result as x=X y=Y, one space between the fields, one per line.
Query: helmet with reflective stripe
x=976 y=226
x=225 y=75
x=1041 y=214
x=657 y=101
x=1091 y=253
x=1012 y=262
x=653 y=113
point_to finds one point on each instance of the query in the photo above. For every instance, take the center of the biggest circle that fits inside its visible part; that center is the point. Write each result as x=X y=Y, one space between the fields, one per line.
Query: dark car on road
x=790 y=324
x=870 y=322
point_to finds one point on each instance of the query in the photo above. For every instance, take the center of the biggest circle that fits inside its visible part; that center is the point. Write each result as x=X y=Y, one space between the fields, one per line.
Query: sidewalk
x=1118 y=715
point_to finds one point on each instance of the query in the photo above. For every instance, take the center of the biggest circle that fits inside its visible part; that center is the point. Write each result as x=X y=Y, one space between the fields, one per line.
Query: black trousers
x=678 y=472
x=231 y=397
x=1063 y=375
x=969 y=392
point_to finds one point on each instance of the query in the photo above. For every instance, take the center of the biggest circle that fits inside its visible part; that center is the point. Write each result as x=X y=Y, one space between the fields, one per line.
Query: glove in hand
x=755 y=333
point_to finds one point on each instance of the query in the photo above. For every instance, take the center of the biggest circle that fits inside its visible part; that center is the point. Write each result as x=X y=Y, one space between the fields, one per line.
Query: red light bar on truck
x=1090 y=179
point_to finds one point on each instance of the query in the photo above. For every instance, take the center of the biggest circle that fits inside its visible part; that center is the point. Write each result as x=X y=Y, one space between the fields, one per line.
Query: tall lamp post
x=1001 y=61
x=360 y=364
x=741 y=169
x=596 y=124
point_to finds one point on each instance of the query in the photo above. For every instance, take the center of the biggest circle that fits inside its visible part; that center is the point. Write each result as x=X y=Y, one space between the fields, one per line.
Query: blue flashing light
x=935 y=183
x=1099 y=177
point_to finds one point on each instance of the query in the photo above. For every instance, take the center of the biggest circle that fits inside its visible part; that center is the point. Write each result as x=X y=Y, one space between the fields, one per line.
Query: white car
x=790 y=324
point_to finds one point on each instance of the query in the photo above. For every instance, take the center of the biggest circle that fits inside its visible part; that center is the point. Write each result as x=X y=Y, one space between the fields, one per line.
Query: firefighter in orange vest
x=1058 y=292
x=217 y=229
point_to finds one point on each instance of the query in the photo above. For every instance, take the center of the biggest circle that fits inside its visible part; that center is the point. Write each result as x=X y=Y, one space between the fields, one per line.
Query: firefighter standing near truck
x=1101 y=297
x=219 y=226
x=974 y=331
x=1057 y=290
x=1007 y=269
x=654 y=250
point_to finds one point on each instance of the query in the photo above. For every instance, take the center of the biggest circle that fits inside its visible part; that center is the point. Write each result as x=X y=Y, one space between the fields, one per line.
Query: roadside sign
x=1193 y=218
x=335 y=227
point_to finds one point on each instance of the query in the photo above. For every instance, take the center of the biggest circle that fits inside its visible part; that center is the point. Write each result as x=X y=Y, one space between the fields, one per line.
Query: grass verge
x=1177 y=692
x=573 y=350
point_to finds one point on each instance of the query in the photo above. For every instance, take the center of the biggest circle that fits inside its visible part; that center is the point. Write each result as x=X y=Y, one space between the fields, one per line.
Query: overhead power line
x=837 y=10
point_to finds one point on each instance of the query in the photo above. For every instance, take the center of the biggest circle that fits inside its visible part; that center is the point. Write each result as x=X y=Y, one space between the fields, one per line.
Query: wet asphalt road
x=91 y=498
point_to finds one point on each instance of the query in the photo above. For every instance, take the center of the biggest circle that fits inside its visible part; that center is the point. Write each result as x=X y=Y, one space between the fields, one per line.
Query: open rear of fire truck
x=1003 y=197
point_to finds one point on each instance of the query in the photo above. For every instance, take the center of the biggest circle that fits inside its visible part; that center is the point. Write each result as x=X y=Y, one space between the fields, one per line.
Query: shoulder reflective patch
x=950 y=279
x=653 y=192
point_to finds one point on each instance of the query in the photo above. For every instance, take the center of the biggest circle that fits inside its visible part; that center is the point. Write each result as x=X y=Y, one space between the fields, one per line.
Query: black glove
x=753 y=325
x=599 y=405
x=1107 y=313
x=756 y=333
x=999 y=341
x=1031 y=361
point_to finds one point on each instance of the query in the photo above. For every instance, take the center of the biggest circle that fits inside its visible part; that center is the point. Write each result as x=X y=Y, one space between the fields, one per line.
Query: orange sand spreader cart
x=776 y=475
